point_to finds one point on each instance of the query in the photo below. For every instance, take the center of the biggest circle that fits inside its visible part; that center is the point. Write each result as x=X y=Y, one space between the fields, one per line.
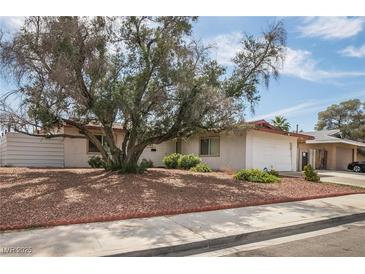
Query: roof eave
x=285 y=133
x=336 y=142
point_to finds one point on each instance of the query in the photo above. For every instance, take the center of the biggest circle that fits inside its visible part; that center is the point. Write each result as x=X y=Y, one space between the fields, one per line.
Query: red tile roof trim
x=265 y=126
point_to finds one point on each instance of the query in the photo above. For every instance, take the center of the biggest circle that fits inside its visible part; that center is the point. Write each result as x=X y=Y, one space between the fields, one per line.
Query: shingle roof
x=330 y=136
x=324 y=134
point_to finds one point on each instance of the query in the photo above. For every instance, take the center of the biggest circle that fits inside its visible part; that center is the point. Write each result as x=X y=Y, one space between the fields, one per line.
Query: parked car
x=357 y=166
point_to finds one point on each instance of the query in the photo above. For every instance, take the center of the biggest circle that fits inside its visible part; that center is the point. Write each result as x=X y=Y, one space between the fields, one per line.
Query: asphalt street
x=346 y=243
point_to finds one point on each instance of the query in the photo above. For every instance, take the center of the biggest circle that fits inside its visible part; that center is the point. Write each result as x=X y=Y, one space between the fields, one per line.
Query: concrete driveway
x=338 y=177
x=343 y=177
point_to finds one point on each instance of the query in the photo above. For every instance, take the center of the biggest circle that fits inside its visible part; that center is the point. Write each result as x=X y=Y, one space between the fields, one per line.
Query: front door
x=322 y=159
x=304 y=159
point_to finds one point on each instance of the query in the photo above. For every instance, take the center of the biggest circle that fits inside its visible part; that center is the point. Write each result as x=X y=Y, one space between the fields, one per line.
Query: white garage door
x=274 y=151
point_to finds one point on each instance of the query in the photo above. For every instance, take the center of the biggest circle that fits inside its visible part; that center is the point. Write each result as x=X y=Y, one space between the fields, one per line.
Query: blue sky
x=324 y=64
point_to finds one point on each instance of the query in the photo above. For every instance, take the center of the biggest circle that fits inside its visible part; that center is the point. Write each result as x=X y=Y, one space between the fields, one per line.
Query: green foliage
x=146 y=163
x=273 y=172
x=189 y=161
x=256 y=175
x=172 y=160
x=125 y=167
x=281 y=122
x=310 y=174
x=96 y=162
x=159 y=81
x=347 y=116
x=202 y=167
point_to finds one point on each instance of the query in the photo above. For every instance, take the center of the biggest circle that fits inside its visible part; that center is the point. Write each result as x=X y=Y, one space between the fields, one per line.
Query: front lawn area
x=32 y=197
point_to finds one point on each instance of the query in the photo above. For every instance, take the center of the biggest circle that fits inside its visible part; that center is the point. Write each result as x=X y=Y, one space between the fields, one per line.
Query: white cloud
x=352 y=51
x=286 y=111
x=300 y=63
x=12 y=23
x=309 y=106
x=225 y=46
x=332 y=27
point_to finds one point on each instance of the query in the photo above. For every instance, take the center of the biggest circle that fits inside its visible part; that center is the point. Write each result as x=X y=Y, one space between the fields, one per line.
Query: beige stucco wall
x=76 y=150
x=155 y=153
x=360 y=157
x=77 y=155
x=331 y=153
x=238 y=150
x=269 y=150
x=232 y=151
x=338 y=155
x=344 y=157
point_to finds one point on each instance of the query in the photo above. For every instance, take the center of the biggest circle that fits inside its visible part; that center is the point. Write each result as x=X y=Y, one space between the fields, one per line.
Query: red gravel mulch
x=44 y=197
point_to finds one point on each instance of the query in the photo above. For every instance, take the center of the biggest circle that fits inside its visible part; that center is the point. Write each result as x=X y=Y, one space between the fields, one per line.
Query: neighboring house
x=328 y=150
x=255 y=145
x=361 y=154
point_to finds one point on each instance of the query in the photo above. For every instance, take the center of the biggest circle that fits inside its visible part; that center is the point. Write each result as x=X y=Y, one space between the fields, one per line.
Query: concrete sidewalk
x=110 y=238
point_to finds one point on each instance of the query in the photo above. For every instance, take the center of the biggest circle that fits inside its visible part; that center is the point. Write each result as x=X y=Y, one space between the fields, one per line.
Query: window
x=178 y=146
x=209 y=146
x=92 y=147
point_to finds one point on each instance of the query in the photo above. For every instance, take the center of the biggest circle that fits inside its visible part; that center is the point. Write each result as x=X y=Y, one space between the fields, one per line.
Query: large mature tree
x=348 y=116
x=281 y=122
x=147 y=73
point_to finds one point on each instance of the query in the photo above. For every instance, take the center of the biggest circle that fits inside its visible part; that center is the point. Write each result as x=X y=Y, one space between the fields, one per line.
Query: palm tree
x=281 y=122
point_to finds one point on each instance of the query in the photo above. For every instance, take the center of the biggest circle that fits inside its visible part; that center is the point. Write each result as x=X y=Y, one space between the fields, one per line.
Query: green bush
x=202 y=167
x=189 y=161
x=146 y=163
x=125 y=168
x=96 y=162
x=256 y=175
x=172 y=160
x=273 y=172
x=310 y=174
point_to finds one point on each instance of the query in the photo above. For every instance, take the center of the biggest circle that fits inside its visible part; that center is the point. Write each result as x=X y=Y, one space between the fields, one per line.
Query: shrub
x=126 y=168
x=189 y=161
x=256 y=175
x=310 y=174
x=273 y=172
x=172 y=160
x=146 y=163
x=96 y=162
x=202 y=167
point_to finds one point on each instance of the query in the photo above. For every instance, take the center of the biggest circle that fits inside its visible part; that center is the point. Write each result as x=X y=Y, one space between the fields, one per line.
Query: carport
x=327 y=151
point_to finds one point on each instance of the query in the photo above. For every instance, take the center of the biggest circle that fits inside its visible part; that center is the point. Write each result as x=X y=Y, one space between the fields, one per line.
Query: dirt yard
x=32 y=197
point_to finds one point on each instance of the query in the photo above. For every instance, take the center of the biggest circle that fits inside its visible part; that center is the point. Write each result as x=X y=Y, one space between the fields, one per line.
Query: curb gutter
x=241 y=239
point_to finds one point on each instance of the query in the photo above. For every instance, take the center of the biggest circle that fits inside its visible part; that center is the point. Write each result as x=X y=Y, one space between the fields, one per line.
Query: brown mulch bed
x=32 y=197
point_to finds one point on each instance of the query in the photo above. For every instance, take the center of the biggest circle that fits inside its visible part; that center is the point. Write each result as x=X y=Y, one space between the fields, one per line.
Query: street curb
x=240 y=239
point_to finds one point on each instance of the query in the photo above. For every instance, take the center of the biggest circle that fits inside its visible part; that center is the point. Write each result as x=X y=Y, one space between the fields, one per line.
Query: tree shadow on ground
x=41 y=196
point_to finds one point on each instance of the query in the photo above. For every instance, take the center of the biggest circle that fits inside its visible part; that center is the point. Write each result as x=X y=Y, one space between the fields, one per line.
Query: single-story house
x=328 y=150
x=258 y=145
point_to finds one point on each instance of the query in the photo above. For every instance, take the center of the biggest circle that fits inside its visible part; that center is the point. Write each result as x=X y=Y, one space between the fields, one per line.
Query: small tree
x=147 y=73
x=281 y=123
x=310 y=174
